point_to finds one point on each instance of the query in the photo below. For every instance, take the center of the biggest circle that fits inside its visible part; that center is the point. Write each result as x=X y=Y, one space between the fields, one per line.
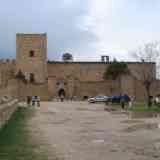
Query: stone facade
x=85 y=79
x=6 y=111
x=31 y=55
x=72 y=79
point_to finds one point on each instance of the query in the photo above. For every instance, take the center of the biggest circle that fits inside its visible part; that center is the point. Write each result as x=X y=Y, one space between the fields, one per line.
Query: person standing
x=156 y=100
x=33 y=100
x=122 y=101
x=28 y=100
x=130 y=103
x=38 y=101
x=62 y=97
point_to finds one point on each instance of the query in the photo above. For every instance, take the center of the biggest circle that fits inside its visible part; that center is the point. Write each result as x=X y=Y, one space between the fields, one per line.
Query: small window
x=31 y=53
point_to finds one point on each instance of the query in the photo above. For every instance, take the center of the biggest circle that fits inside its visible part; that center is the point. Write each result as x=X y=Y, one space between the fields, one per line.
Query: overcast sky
x=85 y=28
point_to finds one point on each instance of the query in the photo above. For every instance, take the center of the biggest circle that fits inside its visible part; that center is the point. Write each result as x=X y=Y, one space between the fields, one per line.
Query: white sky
x=85 y=28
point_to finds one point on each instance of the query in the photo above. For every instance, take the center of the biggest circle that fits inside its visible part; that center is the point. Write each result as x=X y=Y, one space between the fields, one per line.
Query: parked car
x=98 y=99
x=114 y=99
x=117 y=99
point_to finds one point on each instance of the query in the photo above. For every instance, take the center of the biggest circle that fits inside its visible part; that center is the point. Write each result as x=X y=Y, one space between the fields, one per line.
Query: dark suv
x=117 y=99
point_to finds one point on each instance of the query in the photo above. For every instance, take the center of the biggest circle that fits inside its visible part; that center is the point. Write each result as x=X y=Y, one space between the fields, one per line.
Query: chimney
x=105 y=59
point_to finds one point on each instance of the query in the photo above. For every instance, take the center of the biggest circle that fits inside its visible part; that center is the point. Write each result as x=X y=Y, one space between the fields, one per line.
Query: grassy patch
x=137 y=107
x=141 y=107
x=15 y=143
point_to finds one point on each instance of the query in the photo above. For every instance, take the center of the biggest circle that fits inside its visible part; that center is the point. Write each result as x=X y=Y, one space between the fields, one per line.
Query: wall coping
x=94 y=62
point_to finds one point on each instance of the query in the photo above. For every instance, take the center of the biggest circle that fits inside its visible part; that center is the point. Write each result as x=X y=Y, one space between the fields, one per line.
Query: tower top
x=31 y=34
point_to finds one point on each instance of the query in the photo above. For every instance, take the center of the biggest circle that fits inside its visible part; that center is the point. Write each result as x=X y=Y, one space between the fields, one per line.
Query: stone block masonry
x=48 y=79
x=7 y=110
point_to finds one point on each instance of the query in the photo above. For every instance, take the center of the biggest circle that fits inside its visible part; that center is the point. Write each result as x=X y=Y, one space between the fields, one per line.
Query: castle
x=72 y=79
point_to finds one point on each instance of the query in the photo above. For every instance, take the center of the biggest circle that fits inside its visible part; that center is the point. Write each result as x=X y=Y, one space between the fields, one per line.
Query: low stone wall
x=6 y=111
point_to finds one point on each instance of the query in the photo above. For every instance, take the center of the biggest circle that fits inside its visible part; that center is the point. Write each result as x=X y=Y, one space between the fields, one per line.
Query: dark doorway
x=31 y=53
x=32 y=77
x=61 y=93
x=85 y=97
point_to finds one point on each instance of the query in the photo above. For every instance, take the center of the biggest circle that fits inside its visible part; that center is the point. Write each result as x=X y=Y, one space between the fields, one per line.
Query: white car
x=98 y=99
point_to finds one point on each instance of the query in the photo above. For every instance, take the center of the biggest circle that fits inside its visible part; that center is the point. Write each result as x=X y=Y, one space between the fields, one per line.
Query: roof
x=93 y=62
x=31 y=34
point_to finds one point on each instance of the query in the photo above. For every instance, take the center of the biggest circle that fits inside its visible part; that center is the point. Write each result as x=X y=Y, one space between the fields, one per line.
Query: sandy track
x=82 y=131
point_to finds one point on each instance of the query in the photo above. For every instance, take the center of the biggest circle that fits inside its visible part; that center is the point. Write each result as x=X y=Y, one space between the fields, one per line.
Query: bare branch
x=150 y=52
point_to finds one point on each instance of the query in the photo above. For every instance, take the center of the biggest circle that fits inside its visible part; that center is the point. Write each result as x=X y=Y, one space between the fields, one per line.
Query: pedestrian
x=38 y=101
x=33 y=100
x=28 y=100
x=130 y=103
x=150 y=101
x=122 y=101
x=156 y=101
x=62 y=97
x=128 y=100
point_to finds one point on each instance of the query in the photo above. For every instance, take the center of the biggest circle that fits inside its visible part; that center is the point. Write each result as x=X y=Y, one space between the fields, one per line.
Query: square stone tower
x=31 y=56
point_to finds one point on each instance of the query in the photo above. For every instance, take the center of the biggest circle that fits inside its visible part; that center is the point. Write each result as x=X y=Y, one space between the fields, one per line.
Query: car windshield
x=100 y=97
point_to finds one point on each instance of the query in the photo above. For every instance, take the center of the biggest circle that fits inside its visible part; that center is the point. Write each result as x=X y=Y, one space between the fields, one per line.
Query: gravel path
x=82 y=131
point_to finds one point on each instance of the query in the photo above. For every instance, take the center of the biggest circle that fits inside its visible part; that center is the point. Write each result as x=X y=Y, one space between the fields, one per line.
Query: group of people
x=157 y=100
x=154 y=100
x=33 y=100
x=125 y=100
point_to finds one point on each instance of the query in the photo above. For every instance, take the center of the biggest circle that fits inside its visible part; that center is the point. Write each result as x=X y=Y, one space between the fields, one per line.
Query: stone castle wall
x=6 y=111
x=8 y=83
x=81 y=79
x=86 y=79
x=7 y=71
x=25 y=90
x=8 y=88
x=91 y=89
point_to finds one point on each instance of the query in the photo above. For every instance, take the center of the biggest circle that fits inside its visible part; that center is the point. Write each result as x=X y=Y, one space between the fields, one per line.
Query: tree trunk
x=120 y=86
x=149 y=100
x=19 y=88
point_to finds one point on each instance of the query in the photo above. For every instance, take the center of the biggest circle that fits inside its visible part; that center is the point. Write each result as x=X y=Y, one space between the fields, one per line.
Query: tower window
x=31 y=53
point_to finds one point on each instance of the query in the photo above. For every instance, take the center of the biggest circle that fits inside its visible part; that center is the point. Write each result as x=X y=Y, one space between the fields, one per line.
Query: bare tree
x=149 y=53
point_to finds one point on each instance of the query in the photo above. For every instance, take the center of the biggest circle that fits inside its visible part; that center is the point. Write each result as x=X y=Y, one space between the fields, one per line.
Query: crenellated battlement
x=7 y=61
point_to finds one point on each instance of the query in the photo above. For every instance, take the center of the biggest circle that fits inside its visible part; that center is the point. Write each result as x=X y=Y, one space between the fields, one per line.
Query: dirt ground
x=82 y=131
